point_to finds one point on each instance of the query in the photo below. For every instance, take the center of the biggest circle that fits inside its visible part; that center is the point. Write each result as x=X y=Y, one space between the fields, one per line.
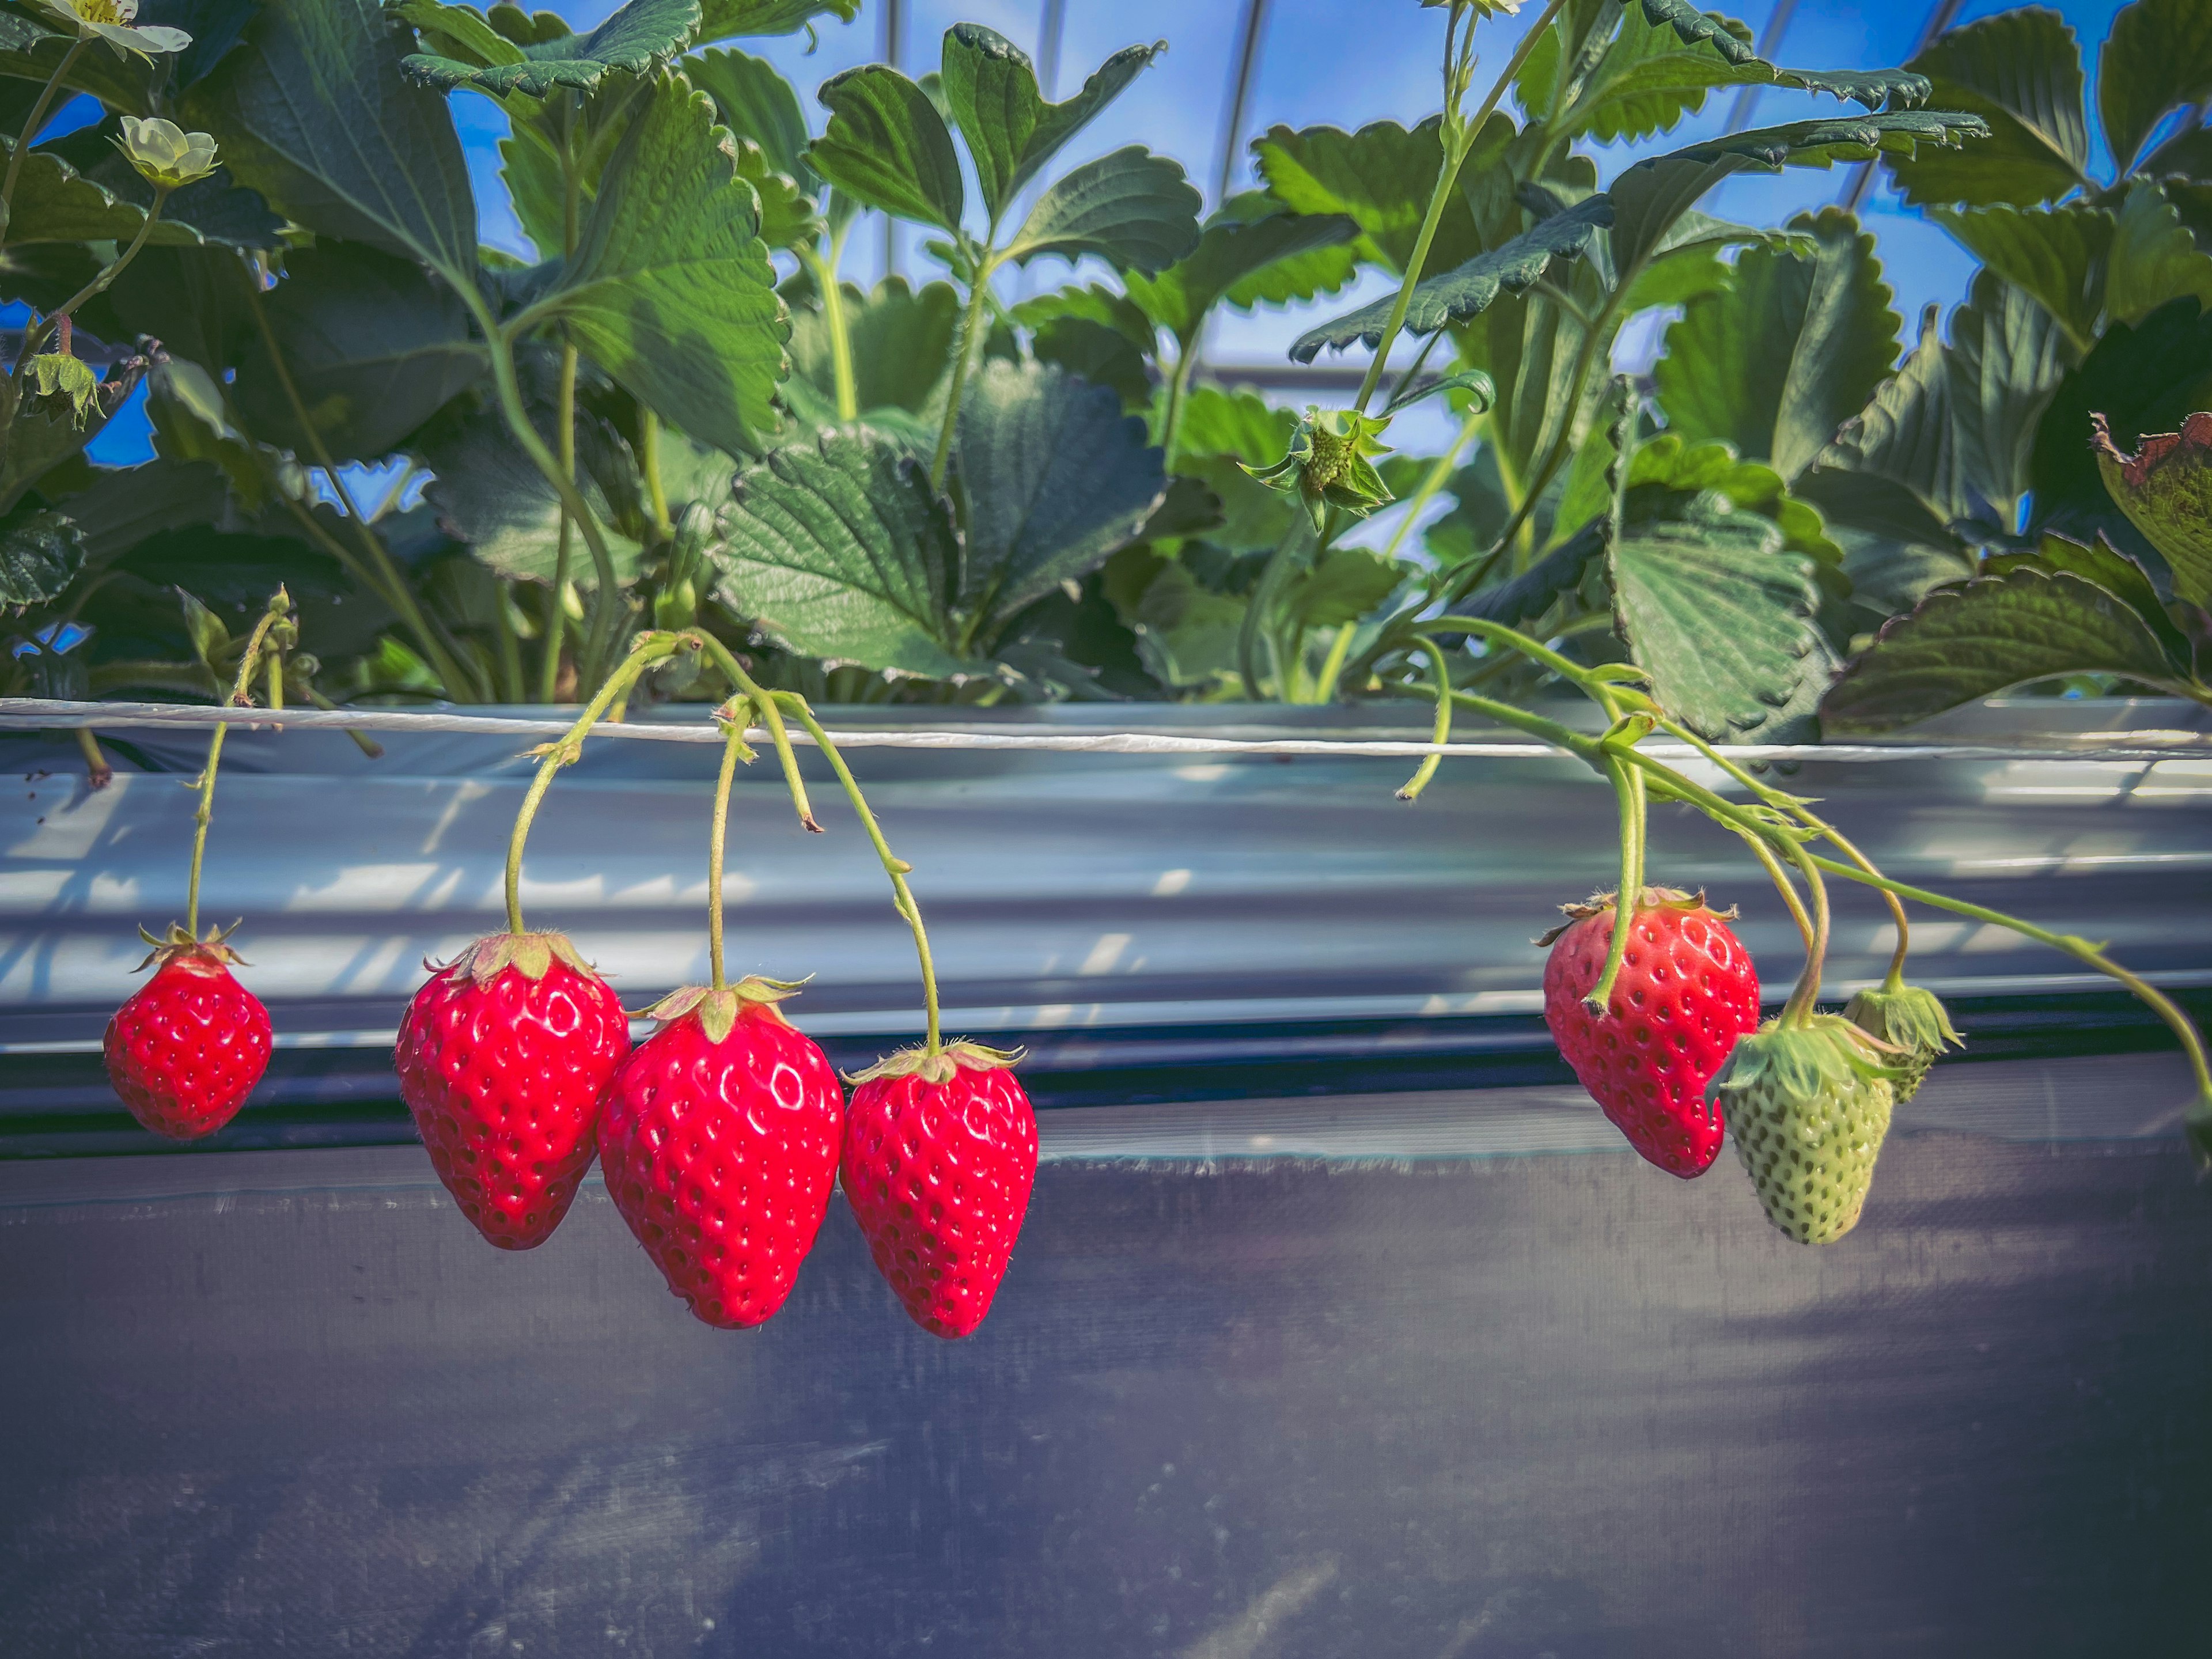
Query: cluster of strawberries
x=720 y=1135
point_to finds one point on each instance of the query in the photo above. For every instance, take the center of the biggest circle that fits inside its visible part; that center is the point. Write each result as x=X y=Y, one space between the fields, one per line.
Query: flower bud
x=166 y=156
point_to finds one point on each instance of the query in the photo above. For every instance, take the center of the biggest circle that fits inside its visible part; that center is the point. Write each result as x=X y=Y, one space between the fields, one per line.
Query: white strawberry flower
x=112 y=21
x=166 y=156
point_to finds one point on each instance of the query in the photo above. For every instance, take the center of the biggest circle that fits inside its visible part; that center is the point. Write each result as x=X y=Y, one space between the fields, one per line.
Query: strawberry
x=1685 y=992
x=1908 y=1018
x=191 y=1043
x=501 y=1059
x=940 y=1152
x=1809 y=1105
x=719 y=1137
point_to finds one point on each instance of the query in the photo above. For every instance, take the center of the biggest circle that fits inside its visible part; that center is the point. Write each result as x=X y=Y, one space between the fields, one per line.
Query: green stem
x=1799 y=1008
x=1628 y=789
x=648 y=649
x=1441 y=667
x=509 y=389
x=510 y=646
x=1272 y=577
x=31 y=125
x=824 y=272
x=241 y=697
x=556 y=598
x=963 y=350
x=1178 y=395
x=1332 y=667
x=770 y=716
x=1783 y=885
x=897 y=868
x=1499 y=634
x=648 y=463
x=36 y=333
x=374 y=566
x=1457 y=146
x=733 y=747
x=98 y=773
x=1434 y=480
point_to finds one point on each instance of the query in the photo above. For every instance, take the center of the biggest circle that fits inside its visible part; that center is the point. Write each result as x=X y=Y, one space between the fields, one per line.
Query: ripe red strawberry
x=1685 y=992
x=940 y=1152
x=501 y=1059
x=191 y=1043
x=719 y=1137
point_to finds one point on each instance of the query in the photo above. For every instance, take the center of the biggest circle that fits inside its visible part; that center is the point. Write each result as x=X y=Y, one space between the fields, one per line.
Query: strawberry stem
x=645 y=651
x=1628 y=790
x=771 y=717
x=1784 y=886
x=1799 y=1008
x=734 y=748
x=1427 y=769
x=258 y=644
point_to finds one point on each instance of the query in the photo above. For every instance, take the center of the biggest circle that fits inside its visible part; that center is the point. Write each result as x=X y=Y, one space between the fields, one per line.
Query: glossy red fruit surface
x=190 y=1045
x=503 y=1057
x=1686 y=991
x=940 y=1154
x=718 y=1138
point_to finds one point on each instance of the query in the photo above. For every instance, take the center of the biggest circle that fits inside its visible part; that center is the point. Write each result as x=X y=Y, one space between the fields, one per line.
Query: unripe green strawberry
x=1906 y=1018
x=1807 y=1106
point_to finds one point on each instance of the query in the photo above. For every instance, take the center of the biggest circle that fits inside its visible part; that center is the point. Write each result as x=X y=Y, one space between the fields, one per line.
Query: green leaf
x=1012 y=132
x=902 y=339
x=2008 y=355
x=1343 y=586
x=2158 y=56
x=40 y=554
x=30 y=51
x=2165 y=490
x=1091 y=351
x=491 y=496
x=1131 y=208
x=191 y=420
x=723 y=19
x=125 y=505
x=374 y=347
x=1457 y=296
x=2057 y=255
x=1056 y=478
x=1792 y=348
x=1223 y=432
x=1093 y=303
x=1686 y=262
x=1186 y=634
x=1230 y=251
x=2142 y=379
x=1986 y=637
x=888 y=146
x=670 y=290
x=2019 y=71
x=2122 y=577
x=637 y=38
x=756 y=103
x=839 y=549
x=787 y=218
x=196 y=301
x=291 y=111
x=2154 y=259
x=1527 y=597
x=1719 y=615
x=1381 y=178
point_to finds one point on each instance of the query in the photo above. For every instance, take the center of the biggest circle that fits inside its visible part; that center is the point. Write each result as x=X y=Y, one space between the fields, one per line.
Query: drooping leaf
x=1457 y=296
x=1792 y=348
x=839 y=549
x=1232 y=249
x=722 y=19
x=1719 y=615
x=2058 y=255
x=488 y=495
x=888 y=146
x=901 y=338
x=1985 y=637
x=2154 y=259
x=2144 y=379
x=313 y=113
x=670 y=290
x=1133 y=208
x=756 y=103
x=373 y=346
x=190 y=415
x=40 y=554
x=638 y=37
x=1381 y=178
x=2158 y=56
x=1056 y=478
x=2165 y=490
x=2020 y=70
x=1011 y=132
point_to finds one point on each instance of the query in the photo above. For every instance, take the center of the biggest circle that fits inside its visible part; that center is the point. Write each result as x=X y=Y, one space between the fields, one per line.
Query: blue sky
x=1345 y=62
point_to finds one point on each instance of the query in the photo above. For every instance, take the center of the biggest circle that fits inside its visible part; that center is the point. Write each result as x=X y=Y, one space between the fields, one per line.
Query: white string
x=25 y=714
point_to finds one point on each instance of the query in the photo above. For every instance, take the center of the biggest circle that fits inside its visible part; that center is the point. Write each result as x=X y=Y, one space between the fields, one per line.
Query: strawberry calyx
x=531 y=955
x=1804 y=1059
x=718 y=1010
x=1650 y=898
x=1911 y=1017
x=941 y=1066
x=179 y=948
